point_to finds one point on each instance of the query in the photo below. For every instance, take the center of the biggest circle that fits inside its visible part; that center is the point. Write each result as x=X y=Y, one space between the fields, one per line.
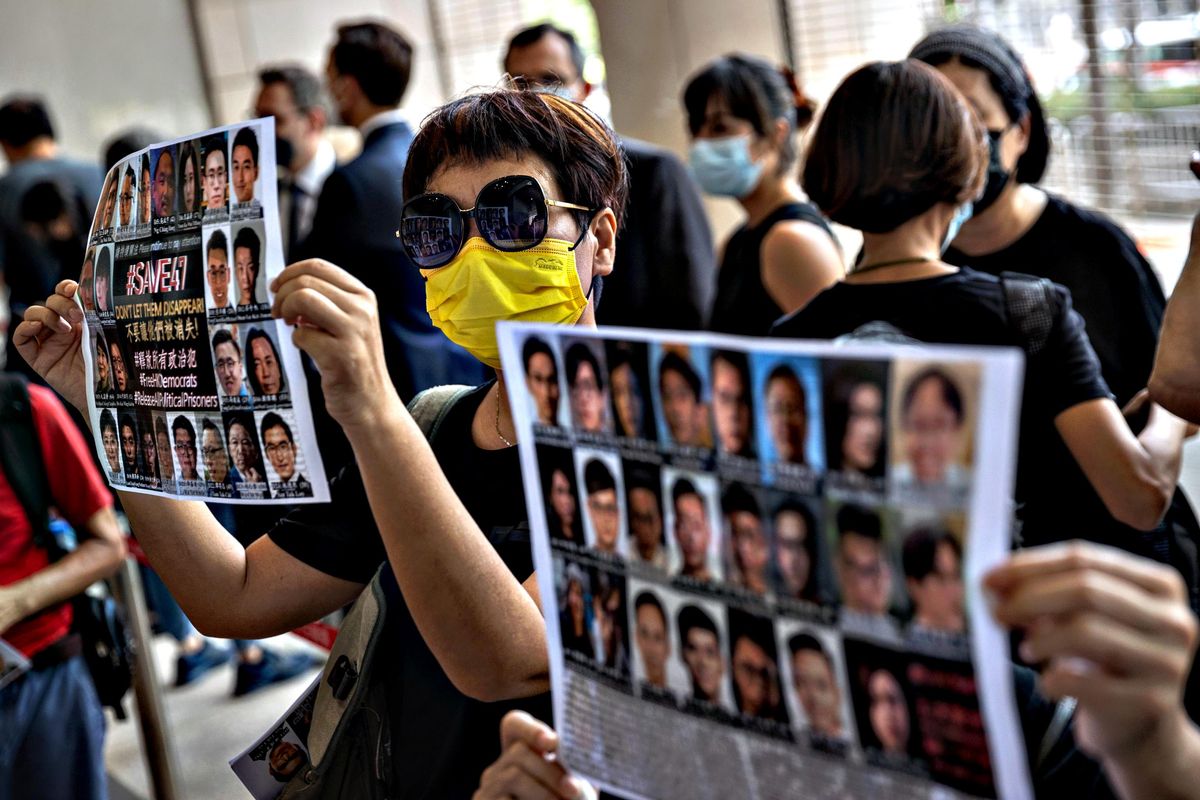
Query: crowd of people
x=934 y=159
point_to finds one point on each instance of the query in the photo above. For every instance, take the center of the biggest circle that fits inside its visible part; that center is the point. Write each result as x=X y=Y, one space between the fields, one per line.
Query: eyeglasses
x=512 y=214
x=282 y=447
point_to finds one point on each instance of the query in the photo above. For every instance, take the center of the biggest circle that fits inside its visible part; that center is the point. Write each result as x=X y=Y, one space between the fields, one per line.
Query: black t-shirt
x=968 y=307
x=1112 y=286
x=442 y=740
x=742 y=304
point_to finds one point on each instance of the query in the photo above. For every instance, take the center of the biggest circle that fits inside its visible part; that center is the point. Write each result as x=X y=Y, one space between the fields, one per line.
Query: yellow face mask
x=483 y=285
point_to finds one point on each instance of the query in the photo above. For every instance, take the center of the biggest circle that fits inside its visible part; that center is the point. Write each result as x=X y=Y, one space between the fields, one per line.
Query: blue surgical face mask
x=961 y=215
x=724 y=167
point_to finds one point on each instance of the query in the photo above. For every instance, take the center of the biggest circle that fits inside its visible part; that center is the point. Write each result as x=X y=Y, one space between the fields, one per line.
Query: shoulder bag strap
x=22 y=460
x=1029 y=303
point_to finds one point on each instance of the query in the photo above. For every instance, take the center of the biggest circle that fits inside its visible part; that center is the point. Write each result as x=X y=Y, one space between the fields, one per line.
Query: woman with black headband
x=1017 y=226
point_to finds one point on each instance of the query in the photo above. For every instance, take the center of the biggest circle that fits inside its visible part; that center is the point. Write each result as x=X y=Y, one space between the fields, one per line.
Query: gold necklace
x=507 y=443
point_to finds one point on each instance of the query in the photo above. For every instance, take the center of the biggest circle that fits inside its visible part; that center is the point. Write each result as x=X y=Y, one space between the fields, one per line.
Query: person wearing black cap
x=1020 y=227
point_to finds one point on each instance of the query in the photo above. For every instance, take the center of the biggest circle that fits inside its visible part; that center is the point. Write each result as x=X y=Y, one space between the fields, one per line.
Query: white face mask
x=724 y=167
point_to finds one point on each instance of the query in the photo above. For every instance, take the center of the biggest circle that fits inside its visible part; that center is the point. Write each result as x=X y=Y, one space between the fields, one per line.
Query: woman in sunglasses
x=520 y=194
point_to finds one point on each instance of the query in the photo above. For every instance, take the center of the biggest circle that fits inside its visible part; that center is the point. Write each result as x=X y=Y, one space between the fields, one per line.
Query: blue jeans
x=52 y=736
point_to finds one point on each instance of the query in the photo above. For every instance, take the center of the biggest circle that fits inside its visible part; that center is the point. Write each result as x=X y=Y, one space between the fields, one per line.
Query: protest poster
x=195 y=391
x=761 y=561
x=266 y=766
x=13 y=663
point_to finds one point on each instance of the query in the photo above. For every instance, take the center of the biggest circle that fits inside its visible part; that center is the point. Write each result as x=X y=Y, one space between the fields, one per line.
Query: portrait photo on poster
x=747 y=550
x=230 y=363
x=247 y=246
x=867 y=576
x=856 y=419
x=813 y=674
x=218 y=272
x=692 y=517
x=163 y=162
x=649 y=544
x=264 y=367
x=733 y=403
x=933 y=416
x=106 y=206
x=189 y=190
x=540 y=361
x=788 y=398
x=587 y=410
x=102 y=285
x=164 y=451
x=754 y=666
x=629 y=390
x=931 y=553
x=573 y=585
x=248 y=470
x=603 y=495
x=244 y=166
x=128 y=195
x=285 y=459
x=215 y=456
x=884 y=705
x=110 y=443
x=215 y=179
x=681 y=394
x=799 y=557
x=701 y=628
x=657 y=673
x=560 y=490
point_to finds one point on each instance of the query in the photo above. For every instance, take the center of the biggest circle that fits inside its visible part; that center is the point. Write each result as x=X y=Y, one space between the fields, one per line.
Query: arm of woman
x=225 y=590
x=1134 y=476
x=482 y=625
x=799 y=261
x=1175 y=382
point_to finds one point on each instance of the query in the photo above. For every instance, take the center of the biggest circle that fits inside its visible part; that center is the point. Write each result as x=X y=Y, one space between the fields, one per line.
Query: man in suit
x=666 y=270
x=359 y=207
x=292 y=95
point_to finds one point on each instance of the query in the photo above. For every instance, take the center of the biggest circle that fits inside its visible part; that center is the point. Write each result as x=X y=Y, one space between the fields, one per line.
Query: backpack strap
x=430 y=407
x=22 y=460
x=347 y=678
x=1030 y=305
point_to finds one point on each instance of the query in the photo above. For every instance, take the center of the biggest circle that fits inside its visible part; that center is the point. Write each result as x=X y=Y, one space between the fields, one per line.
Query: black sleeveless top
x=742 y=304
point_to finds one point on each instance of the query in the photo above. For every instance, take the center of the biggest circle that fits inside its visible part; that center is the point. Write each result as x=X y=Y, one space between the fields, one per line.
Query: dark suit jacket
x=665 y=271
x=354 y=226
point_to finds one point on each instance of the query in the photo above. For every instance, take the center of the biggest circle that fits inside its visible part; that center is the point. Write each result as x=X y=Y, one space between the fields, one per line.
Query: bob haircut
x=583 y=154
x=896 y=138
x=753 y=90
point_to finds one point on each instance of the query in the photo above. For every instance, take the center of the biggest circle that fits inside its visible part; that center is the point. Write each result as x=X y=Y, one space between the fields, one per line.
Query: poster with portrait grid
x=195 y=391
x=762 y=561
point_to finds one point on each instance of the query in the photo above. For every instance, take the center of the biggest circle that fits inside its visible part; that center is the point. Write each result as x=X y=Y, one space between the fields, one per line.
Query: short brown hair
x=582 y=152
x=377 y=56
x=896 y=138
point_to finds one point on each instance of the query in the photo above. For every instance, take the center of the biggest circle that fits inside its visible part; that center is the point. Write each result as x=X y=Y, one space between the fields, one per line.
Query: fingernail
x=567 y=787
x=76 y=314
x=1025 y=649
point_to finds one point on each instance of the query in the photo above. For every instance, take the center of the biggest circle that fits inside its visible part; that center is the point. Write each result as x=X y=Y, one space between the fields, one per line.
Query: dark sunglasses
x=512 y=214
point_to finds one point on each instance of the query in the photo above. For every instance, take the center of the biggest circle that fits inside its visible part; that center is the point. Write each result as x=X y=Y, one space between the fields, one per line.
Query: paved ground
x=208 y=725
